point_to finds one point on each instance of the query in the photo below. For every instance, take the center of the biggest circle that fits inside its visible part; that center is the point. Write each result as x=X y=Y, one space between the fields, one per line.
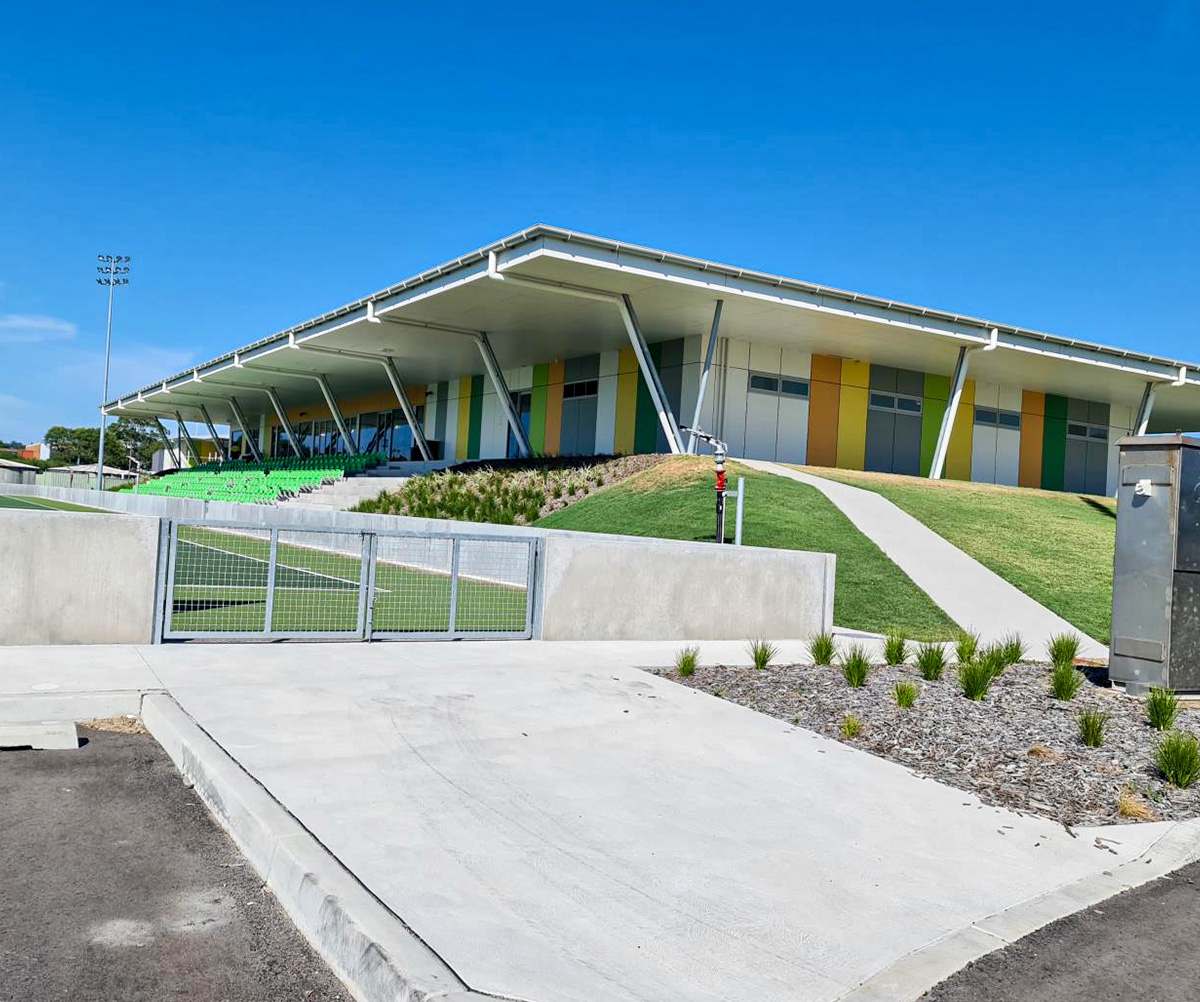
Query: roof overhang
x=547 y=293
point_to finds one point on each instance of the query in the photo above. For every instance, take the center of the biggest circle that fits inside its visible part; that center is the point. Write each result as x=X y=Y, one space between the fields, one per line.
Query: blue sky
x=1032 y=163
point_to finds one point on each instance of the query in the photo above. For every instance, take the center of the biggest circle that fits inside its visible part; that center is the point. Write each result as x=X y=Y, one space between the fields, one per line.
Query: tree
x=123 y=438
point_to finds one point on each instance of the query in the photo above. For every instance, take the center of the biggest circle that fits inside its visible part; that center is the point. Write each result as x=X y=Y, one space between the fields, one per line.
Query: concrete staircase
x=347 y=492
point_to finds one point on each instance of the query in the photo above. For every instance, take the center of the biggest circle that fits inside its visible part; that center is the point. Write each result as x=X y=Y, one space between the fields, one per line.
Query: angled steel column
x=212 y=430
x=187 y=439
x=943 y=439
x=241 y=420
x=708 y=361
x=665 y=416
x=351 y=445
x=283 y=420
x=166 y=441
x=409 y=414
x=501 y=387
x=1142 y=421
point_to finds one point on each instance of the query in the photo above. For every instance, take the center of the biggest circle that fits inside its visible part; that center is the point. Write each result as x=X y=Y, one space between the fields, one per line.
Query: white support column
x=351 y=445
x=1142 y=421
x=212 y=430
x=283 y=420
x=943 y=439
x=183 y=432
x=246 y=437
x=665 y=415
x=410 y=415
x=501 y=387
x=708 y=361
x=166 y=441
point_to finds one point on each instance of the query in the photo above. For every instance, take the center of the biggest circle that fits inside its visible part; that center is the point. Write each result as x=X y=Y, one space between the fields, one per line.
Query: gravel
x=1018 y=748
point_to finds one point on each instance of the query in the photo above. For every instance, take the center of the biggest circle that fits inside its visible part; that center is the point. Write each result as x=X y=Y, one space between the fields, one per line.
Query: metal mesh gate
x=232 y=580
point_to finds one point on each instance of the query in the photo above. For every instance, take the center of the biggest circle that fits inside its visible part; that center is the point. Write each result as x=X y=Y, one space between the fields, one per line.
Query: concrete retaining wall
x=630 y=588
x=77 y=577
x=590 y=586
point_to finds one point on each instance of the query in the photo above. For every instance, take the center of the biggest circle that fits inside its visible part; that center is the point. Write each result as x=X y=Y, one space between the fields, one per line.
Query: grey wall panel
x=1098 y=413
x=910 y=382
x=670 y=371
x=906 y=452
x=439 y=416
x=584 y=367
x=569 y=440
x=1075 y=470
x=586 y=416
x=1096 y=476
x=881 y=427
x=883 y=377
x=1077 y=410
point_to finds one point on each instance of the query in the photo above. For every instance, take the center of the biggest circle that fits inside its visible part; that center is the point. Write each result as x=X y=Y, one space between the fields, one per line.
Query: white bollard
x=741 y=507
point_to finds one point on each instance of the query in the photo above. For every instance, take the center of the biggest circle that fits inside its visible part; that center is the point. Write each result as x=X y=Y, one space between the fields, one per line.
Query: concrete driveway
x=562 y=827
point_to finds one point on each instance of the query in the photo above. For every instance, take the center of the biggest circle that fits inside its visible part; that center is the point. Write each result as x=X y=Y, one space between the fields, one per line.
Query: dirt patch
x=671 y=472
x=114 y=725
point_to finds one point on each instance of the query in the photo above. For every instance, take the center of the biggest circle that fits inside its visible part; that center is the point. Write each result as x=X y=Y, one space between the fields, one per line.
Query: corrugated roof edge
x=665 y=257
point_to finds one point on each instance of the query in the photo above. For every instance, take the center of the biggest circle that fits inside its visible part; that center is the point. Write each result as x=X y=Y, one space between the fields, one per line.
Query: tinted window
x=766 y=383
x=883 y=400
x=910 y=404
x=795 y=388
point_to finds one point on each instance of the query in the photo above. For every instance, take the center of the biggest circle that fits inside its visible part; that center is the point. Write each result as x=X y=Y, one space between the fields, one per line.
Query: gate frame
x=364 y=629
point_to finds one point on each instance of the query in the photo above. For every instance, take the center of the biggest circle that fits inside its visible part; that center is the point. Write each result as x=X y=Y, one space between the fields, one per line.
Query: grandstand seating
x=258 y=483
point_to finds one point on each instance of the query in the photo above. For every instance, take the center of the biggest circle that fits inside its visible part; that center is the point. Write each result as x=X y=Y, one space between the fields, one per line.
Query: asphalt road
x=1139 y=945
x=116 y=884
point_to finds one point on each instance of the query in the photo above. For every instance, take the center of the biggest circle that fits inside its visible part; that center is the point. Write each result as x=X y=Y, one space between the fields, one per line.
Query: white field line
x=260 y=560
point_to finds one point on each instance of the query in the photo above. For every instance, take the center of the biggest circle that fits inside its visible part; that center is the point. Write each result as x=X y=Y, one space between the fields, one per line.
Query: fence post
x=271 y=561
x=454 y=584
x=366 y=586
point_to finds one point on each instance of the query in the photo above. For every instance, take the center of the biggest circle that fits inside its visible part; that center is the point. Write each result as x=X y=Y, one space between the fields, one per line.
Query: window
x=1094 y=432
x=763 y=382
x=582 y=388
x=894 y=402
x=992 y=417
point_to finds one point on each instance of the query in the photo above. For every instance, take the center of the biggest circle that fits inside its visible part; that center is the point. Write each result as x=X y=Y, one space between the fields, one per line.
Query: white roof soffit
x=430 y=300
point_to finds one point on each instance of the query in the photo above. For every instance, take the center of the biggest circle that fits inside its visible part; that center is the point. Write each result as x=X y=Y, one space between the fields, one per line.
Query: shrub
x=1063 y=648
x=993 y=658
x=895 y=649
x=906 y=694
x=965 y=646
x=1091 y=727
x=762 y=652
x=975 y=678
x=851 y=726
x=685 y=660
x=821 y=649
x=1065 y=680
x=1014 y=649
x=1178 y=759
x=1162 y=708
x=1130 y=805
x=931 y=661
x=856 y=667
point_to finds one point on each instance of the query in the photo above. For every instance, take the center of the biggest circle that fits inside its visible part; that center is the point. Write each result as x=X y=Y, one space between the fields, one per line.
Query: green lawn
x=675 y=501
x=221 y=586
x=1055 y=547
x=28 y=501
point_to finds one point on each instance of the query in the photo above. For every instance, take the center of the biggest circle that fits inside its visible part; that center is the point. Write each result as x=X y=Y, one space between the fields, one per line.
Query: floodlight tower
x=113 y=270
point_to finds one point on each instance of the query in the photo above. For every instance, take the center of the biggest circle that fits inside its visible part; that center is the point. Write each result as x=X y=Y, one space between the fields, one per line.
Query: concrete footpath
x=975 y=597
x=555 y=825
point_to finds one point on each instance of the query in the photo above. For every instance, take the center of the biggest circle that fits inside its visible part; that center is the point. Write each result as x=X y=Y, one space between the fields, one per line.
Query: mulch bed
x=981 y=747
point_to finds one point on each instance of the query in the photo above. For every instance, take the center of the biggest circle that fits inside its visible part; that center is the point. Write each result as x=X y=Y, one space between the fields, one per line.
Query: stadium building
x=559 y=343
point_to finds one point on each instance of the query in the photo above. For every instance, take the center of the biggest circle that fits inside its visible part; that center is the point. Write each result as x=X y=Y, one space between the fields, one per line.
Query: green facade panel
x=933 y=409
x=476 y=425
x=645 y=423
x=1054 y=443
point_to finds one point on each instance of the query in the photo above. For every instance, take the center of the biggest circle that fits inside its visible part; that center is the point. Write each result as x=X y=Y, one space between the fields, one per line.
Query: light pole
x=113 y=271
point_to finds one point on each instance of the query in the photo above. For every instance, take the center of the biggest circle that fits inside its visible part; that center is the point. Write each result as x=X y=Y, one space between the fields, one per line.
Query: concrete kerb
x=912 y=976
x=367 y=946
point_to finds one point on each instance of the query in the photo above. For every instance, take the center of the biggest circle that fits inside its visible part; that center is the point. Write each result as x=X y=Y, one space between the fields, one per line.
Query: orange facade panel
x=1033 y=427
x=824 y=398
